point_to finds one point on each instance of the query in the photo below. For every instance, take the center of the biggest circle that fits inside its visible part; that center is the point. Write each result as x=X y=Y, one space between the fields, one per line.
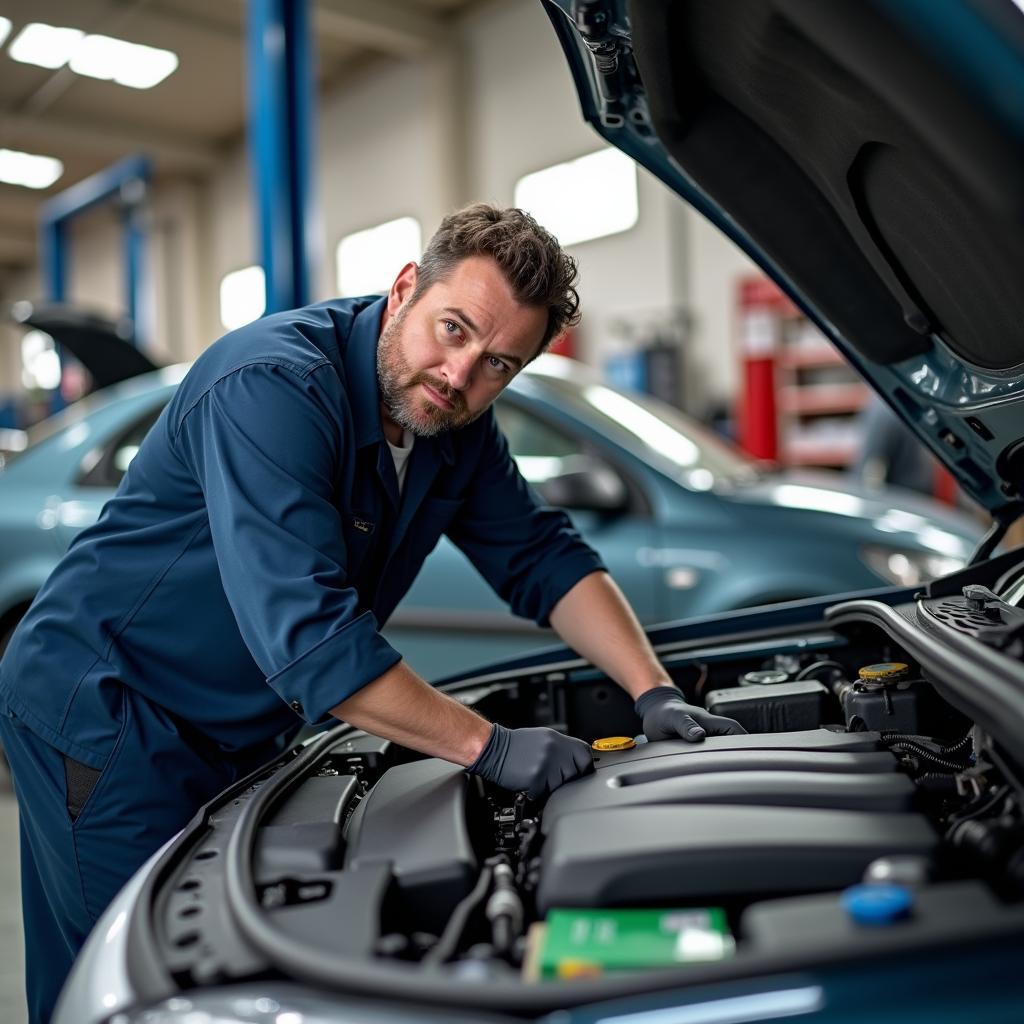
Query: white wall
x=181 y=317
x=716 y=267
x=28 y=283
x=420 y=137
x=523 y=115
x=381 y=155
x=95 y=272
x=228 y=235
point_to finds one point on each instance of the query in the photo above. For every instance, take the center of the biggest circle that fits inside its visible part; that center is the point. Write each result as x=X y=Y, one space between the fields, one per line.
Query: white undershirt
x=401 y=456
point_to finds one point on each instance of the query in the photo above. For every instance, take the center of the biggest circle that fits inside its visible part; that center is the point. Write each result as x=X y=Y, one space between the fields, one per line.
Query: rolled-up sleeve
x=264 y=445
x=529 y=553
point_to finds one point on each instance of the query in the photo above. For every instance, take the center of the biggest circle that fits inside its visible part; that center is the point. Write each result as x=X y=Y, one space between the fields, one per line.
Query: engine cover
x=709 y=853
x=415 y=821
x=734 y=816
x=814 y=768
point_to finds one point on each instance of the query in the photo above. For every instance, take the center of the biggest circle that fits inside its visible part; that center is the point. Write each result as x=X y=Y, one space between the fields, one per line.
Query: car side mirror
x=587 y=484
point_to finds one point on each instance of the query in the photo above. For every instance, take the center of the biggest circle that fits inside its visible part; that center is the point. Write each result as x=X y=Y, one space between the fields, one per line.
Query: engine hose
x=927 y=755
x=984 y=807
x=926 y=751
x=930 y=777
x=959 y=745
x=504 y=910
x=810 y=670
x=448 y=943
x=902 y=737
x=931 y=757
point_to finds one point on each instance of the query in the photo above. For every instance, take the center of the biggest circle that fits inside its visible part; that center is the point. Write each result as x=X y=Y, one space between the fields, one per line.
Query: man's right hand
x=535 y=760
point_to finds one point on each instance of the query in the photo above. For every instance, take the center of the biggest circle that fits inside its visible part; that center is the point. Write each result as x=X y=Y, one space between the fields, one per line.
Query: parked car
x=858 y=854
x=679 y=516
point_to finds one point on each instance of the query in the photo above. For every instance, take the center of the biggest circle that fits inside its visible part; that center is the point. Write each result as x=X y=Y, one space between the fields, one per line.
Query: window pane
x=587 y=198
x=243 y=297
x=116 y=458
x=368 y=261
x=540 y=450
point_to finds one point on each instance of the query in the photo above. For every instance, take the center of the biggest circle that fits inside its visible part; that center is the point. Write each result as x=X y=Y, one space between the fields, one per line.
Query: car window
x=541 y=451
x=701 y=457
x=107 y=467
x=54 y=425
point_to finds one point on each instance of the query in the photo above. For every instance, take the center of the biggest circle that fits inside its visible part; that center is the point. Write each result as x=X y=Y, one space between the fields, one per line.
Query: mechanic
x=234 y=587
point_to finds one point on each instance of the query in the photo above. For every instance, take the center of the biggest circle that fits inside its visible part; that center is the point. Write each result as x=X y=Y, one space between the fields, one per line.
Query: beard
x=400 y=389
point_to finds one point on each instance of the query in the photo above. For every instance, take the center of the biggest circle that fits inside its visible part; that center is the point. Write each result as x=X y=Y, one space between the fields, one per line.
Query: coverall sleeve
x=264 y=445
x=529 y=553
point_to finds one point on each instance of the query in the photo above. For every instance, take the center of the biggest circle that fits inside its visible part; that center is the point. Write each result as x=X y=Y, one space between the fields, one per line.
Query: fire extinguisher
x=760 y=312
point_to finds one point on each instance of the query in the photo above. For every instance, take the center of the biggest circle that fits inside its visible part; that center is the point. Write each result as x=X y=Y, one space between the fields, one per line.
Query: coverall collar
x=361 y=365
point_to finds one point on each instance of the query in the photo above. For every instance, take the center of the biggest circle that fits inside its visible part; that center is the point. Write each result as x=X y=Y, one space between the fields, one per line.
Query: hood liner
x=832 y=137
x=102 y=346
x=870 y=174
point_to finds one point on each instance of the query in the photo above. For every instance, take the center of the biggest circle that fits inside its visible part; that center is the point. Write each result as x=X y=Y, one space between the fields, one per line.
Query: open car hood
x=103 y=347
x=869 y=155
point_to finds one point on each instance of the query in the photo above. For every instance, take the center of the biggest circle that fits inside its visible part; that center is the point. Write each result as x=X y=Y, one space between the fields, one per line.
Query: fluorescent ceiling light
x=28 y=169
x=5 y=29
x=367 y=261
x=115 y=60
x=587 y=198
x=103 y=57
x=243 y=297
x=45 y=45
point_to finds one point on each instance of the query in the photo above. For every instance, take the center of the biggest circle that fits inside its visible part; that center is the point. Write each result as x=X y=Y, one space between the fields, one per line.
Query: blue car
x=858 y=853
x=679 y=517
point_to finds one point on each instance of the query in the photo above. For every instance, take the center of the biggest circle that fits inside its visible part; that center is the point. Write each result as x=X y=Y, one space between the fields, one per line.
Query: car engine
x=863 y=810
x=836 y=794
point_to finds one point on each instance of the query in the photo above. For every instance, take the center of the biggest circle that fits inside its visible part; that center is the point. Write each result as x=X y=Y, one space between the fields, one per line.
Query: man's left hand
x=666 y=716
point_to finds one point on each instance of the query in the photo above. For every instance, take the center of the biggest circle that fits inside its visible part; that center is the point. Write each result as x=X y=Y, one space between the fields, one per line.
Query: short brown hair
x=534 y=264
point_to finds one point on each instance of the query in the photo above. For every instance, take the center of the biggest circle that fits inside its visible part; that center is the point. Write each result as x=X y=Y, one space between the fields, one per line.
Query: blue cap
x=877 y=904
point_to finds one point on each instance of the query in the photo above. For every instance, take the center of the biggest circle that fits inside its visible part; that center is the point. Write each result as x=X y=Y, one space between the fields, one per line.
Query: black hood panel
x=838 y=142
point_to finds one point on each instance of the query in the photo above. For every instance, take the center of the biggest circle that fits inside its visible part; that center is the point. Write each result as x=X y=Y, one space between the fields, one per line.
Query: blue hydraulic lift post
x=281 y=111
x=135 y=265
x=125 y=180
x=51 y=245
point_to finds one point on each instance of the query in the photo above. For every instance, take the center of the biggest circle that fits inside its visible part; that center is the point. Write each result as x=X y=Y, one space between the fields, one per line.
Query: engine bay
x=863 y=811
x=724 y=844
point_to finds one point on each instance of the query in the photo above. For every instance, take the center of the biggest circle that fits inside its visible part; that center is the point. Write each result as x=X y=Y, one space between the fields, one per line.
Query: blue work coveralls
x=232 y=589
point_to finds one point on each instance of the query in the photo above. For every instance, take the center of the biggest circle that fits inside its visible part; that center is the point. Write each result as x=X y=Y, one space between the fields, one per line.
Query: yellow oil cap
x=567 y=970
x=614 y=743
x=884 y=670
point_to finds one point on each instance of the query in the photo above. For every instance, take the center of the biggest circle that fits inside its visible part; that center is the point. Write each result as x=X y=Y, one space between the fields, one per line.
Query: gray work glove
x=666 y=716
x=535 y=760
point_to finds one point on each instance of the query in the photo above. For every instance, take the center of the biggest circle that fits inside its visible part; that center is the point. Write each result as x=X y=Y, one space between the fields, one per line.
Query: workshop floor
x=12 y=952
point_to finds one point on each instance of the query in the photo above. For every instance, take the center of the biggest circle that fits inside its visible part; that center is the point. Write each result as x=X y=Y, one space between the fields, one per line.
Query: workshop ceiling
x=189 y=121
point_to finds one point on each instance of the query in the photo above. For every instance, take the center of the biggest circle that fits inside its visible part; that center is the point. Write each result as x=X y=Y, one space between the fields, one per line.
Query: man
x=278 y=510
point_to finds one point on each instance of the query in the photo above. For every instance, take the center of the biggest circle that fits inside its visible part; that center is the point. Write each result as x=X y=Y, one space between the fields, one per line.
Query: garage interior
x=147 y=217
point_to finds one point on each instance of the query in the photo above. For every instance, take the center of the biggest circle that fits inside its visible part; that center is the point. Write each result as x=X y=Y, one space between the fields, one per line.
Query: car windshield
x=700 y=457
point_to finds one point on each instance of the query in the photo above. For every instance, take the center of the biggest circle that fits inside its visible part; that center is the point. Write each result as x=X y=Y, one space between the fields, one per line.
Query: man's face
x=442 y=360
